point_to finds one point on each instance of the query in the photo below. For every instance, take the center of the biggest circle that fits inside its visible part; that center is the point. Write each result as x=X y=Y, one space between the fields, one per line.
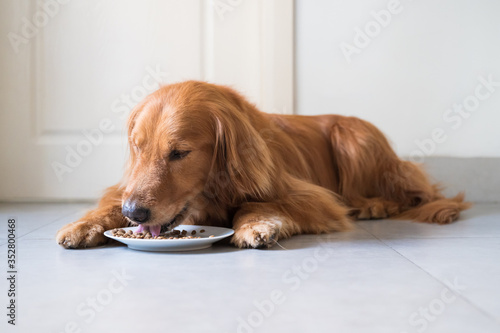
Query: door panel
x=70 y=80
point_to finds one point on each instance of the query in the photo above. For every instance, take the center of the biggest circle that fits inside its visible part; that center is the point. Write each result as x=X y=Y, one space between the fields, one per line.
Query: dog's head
x=193 y=144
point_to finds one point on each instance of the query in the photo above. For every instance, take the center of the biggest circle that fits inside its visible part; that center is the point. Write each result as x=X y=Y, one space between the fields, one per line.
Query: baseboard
x=478 y=177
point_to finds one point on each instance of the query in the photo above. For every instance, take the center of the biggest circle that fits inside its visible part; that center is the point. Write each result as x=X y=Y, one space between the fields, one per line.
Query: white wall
x=427 y=58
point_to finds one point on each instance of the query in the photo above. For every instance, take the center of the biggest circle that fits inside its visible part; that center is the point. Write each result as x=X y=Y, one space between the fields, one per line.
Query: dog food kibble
x=174 y=234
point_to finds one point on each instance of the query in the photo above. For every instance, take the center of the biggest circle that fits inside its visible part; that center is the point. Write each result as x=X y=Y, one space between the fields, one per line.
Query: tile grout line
x=467 y=300
x=463 y=297
x=43 y=226
x=54 y=221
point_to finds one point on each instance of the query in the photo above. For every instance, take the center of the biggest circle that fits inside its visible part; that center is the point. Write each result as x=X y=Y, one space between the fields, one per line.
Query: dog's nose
x=135 y=213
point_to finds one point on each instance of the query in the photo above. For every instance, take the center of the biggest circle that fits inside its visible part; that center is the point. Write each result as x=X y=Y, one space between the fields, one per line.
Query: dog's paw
x=81 y=234
x=259 y=234
x=376 y=209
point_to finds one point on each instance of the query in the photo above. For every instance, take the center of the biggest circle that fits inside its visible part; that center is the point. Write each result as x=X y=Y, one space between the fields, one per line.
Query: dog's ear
x=243 y=167
x=132 y=158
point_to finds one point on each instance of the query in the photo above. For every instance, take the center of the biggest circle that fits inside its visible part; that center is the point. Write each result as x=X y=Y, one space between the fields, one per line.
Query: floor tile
x=383 y=276
x=324 y=284
x=49 y=230
x=479 y=221
x=471 y=263
x=30 y=217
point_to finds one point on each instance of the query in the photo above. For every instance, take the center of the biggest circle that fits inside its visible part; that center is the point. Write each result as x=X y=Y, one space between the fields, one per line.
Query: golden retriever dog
x=202 y=154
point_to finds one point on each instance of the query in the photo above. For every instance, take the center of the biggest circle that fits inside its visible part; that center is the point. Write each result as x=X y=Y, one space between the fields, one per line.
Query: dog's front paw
x=81 y=234
x=259 y=234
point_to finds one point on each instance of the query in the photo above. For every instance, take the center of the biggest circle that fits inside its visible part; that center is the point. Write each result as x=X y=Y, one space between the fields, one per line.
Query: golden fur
x=201 y=154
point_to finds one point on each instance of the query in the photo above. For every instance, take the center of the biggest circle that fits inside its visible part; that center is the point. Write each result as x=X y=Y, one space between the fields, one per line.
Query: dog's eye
x=177 y=154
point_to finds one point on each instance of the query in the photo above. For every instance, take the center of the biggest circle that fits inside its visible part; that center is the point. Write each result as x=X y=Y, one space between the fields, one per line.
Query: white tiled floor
x=385 y=276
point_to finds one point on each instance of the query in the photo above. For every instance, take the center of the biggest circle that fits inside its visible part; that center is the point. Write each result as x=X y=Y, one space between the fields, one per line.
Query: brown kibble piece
x=174 y=234
x=202 y=230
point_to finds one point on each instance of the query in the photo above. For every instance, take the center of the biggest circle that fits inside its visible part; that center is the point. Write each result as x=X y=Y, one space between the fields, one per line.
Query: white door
x=72 y=70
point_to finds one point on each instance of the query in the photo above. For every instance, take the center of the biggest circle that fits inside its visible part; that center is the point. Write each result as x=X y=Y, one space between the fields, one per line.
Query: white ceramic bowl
x=164 y=245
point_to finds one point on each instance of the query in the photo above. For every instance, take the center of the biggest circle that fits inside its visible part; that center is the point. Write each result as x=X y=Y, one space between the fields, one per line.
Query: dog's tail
x=442 y=211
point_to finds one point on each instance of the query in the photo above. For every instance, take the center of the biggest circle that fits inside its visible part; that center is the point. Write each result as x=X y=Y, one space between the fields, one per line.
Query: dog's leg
x=375 y=183
x=256 y=225
x=306 y=208
x=89 y=230
x=374 y=208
